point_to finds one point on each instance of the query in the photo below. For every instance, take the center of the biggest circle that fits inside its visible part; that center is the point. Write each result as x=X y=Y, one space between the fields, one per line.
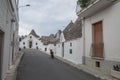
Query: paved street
x=36 y=65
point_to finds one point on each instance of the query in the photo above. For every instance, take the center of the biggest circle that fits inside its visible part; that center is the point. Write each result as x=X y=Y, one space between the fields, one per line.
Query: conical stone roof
x=33 y=33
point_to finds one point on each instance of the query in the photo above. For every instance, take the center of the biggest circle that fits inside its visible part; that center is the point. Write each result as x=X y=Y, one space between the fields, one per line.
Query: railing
x=97 y=50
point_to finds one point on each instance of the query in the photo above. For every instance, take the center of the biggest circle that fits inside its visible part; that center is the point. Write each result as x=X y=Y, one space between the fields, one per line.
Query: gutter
x=78 y=13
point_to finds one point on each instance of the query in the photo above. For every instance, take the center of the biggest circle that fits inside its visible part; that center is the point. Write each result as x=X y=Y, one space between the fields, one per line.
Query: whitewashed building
x=101 y=25
x=70 y=45
x=48 y=43
x=32 y=41
x=8 y=35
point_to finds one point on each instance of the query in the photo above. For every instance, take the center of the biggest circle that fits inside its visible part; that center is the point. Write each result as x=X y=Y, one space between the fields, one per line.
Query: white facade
x=8 y=35
x=71 y=50
x=76 y=48
x=48 y=47
x=60 y=46
x=44 y=47
x=59 y=49
x=110 y=31
x=110 y=23
x=31 y=40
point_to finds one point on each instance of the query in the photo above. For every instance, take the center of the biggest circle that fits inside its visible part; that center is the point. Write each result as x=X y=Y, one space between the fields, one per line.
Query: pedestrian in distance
x=51 y=53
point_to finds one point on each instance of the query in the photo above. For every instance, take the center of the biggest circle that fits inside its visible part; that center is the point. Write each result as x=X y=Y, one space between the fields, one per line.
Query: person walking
x=51 y=53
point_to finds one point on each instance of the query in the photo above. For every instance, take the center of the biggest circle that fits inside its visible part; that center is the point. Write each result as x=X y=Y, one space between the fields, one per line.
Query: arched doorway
x=30 y=44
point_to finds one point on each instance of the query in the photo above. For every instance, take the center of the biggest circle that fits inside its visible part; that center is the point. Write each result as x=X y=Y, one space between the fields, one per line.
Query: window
x=70 y=44
x=30 y=36
x=70 y=51
x=62 y=44
x=24 y=47
x=19 y=49
x=36 y=43
x=24 y=43
x=45 y=49
x=58 y=45
x=97 y=64
x=19 y=39
x=37 y=47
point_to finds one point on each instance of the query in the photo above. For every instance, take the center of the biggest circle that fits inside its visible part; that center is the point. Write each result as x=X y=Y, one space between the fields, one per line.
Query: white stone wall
x=111 y=26
x=77 y=51
x=43 y=47
x=48 y=47
x=59 y=49
x=7 y=26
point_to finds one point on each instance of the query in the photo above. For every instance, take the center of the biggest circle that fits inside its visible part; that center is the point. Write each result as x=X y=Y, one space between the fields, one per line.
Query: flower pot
x=115 y=74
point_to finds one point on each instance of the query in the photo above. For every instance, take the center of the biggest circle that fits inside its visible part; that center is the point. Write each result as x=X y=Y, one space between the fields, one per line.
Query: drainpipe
x=83 y=31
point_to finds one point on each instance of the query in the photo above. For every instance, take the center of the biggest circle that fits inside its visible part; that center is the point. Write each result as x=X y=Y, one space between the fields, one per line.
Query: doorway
x=62 y=49
x=1 y=50
x=45 y=49
x=98 y=40
x=30 y=44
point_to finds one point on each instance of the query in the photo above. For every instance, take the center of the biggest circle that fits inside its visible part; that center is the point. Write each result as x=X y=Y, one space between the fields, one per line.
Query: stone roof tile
x=33 y=33
x=73 y=30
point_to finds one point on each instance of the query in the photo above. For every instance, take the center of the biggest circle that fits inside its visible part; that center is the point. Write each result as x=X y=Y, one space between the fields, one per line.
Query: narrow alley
x=36 y=65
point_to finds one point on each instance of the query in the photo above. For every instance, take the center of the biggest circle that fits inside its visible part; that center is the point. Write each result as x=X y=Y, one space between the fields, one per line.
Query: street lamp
x=27 y=5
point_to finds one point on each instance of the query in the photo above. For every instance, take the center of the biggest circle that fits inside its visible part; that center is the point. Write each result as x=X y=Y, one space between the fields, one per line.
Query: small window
x=24 y=47
x=70 y=44
x=19 y=49
x=70 y=51
x=97 y=64
x=58 y=45
x=19 y=39
x=62 y=44
x=36 y=43
x=45 y=49
x=30 y=36
x=24 y=43
x=37 y=47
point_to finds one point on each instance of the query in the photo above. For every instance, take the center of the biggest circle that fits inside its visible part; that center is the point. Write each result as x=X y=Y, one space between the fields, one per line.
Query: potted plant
x=115 y=72
x=85 y=3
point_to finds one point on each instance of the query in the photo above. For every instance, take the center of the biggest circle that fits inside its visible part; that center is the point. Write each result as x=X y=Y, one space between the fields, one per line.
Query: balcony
x=94 y=7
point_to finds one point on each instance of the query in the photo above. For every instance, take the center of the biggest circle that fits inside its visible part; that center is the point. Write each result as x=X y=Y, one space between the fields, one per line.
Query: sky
x=45 y=16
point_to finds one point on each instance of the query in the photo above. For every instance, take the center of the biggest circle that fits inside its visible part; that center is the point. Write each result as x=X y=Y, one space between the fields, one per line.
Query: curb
x=11 y=75
x=87 y=69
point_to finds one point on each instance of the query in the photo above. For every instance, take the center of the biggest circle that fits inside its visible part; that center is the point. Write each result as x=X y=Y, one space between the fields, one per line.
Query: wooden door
x=98 y=40
x=30 y=44
x=1 y=50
